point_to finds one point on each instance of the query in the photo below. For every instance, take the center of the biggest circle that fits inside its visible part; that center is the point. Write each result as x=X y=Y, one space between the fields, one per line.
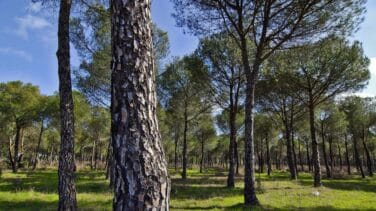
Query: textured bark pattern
x=142 y=181
x=315 y=149
x=290 y=158
x=249 y=157
x=67 y=189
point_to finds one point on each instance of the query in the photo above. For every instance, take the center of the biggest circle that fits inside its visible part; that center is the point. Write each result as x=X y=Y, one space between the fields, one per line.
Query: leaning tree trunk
x=315 y=148
x=67 y=189
x=38 y=147
x=142 y=181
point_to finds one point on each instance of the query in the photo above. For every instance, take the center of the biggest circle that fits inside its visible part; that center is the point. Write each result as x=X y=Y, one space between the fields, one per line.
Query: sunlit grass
x=206 y=191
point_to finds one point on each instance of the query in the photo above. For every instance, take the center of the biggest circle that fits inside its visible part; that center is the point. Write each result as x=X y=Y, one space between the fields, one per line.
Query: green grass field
x=207 y=191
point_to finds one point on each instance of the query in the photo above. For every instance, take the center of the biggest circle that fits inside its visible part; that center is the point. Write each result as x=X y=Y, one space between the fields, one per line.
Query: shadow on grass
x=240 y=207
x=27 y=205
x=46 y=182
x=354 y=184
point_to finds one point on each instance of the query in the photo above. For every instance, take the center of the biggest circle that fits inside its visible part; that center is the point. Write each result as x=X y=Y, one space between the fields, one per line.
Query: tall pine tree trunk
x=250 y=197
x=328 y=173
x=142 y=181
x=185 y=137
x=347 y=158
x=268 y=162
x=315 y=147
x=289 y=153
x=67 y=168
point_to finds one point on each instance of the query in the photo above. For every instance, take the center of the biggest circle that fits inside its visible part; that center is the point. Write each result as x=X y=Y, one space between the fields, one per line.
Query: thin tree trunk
x=10 y=153
x=184 y=173
x=93 y=160
x=176 y=150
x=231 y=172
x=142 y=180
x=357 y=158
x=237 y=157
x=16 y=148
x=66 y=189
x=289 y=153
x=331 y=154
x=328 y=173
x=202 y=154
x=268 y=155
x=308 y=158
x=347 y=158
x=300 y=157
x=340 y=157
x=38 y=147
x=315 y=148
x=368 y=155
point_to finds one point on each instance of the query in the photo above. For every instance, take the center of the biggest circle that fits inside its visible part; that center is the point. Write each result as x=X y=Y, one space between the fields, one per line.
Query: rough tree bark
x=315 y=148
x=289 y=152
x=66 y=186
x=142 y=181
x=250 y=198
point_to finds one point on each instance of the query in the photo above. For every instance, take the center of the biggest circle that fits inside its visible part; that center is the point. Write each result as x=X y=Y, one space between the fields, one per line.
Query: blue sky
x=28 y=42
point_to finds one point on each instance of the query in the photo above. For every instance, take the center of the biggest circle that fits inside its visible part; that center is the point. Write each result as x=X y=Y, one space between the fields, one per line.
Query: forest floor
x=201 y=191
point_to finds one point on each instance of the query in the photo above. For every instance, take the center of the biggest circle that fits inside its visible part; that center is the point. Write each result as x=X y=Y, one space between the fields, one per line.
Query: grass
x=206 y=191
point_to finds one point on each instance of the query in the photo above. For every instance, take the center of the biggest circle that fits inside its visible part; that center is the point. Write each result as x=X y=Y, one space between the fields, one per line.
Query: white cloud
x=15 y=52
x=372 y=66
x=30 y=22
x=34 y=7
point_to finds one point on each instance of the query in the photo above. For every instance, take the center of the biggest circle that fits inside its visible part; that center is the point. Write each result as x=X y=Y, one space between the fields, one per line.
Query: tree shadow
x=47 y=182
x=354 y=184
x=27 y=205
